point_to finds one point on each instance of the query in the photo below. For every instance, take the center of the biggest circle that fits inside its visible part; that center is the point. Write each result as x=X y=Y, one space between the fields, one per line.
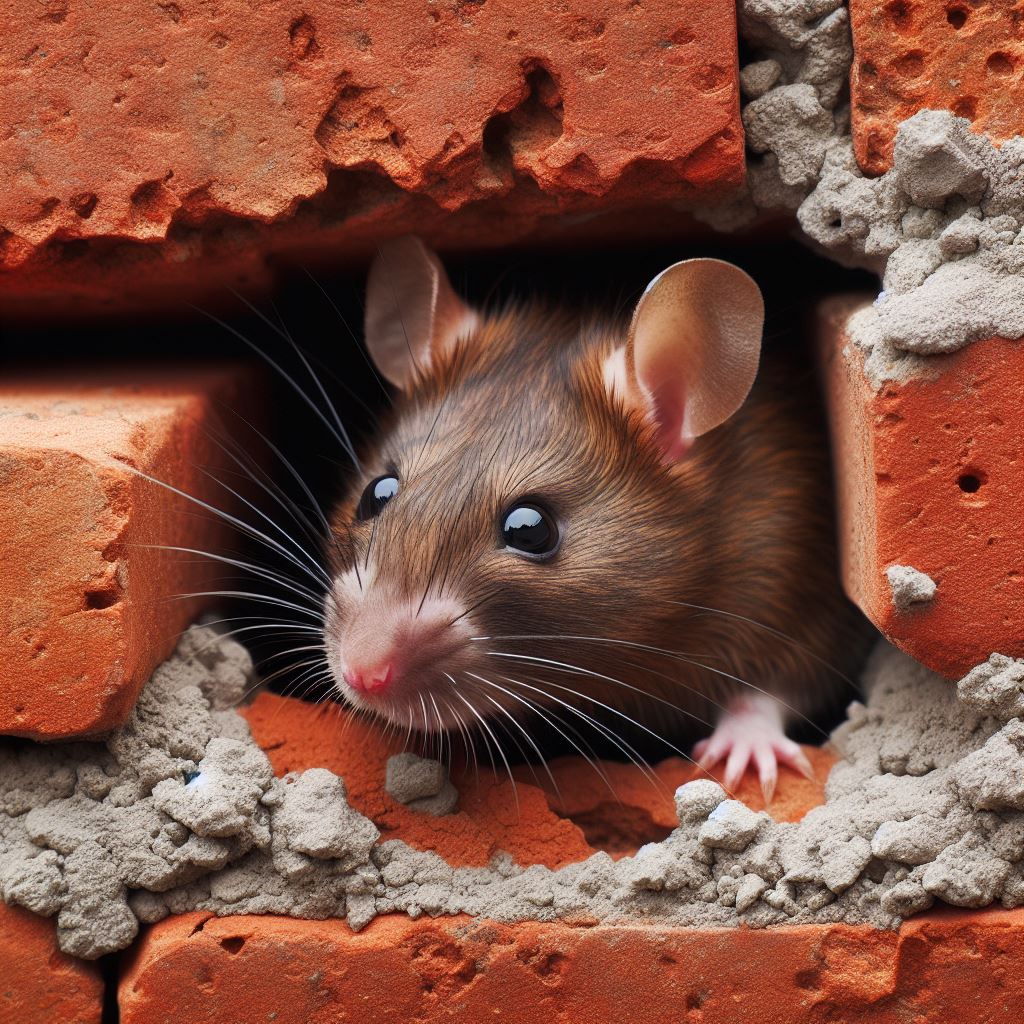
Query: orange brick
x=203 y=969
x=86 y=609
x=940 y=967
x=536 y=828
x=189 y=148
x=38 y=983
x=912 y=55
x=930 y=474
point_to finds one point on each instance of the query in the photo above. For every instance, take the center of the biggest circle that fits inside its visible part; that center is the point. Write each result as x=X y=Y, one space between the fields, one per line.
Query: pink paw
x=751 y=731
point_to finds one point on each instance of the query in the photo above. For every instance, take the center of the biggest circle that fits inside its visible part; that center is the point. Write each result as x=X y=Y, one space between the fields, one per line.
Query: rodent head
x=525 y=490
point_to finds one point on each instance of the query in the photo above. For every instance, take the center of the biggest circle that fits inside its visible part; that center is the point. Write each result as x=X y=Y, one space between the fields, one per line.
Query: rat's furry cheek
x=341 y=598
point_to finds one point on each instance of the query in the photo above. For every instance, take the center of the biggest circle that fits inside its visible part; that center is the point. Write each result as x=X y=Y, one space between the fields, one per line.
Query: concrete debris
x=944 y=227
x=909 y=586
x=178 y=811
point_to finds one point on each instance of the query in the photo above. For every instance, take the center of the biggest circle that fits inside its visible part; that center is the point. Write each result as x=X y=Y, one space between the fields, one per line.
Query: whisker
x=272 y=489
x=342 y=437
x=577 y=669
x=250 y=596
x=351 y=334
x=529 y=739
x=678 y=657
x=263 y=572
x=631 y=753
x=533 y=707
x=247 y=528
x=472 y=608
x=501 y=753
x=470 y=746
x=313 y=567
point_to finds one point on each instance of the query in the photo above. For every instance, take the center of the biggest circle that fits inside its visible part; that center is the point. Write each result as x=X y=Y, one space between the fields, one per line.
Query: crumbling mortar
x=944 y=227
x=179 y=811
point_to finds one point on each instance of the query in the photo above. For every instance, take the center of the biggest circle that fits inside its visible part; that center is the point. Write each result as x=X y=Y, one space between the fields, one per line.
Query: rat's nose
x=369 y=679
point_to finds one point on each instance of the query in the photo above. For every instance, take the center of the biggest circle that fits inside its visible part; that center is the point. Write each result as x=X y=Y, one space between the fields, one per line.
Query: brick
x=541 y=829
x=86 y=607
x=948 y=965
x=209 y=137
x=912 y=55
x=38 y=983
x=929 y=474
x=199 y=968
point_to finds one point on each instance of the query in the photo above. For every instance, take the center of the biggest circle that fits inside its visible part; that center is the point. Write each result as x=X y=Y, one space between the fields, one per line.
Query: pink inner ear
x=669 y=410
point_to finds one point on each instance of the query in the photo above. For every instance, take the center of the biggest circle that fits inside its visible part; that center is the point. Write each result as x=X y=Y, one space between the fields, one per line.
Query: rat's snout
x=387 y=647
x=369 y=680
x=389 y=651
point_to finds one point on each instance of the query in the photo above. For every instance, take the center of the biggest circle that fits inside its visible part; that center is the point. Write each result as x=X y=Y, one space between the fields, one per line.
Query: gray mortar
x=944 y=227
x=909 y=586
x=421 y=784
x=179 y=810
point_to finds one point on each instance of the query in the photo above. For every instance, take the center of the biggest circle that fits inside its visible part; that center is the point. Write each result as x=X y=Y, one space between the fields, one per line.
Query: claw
x=801 y=764
x=751 y=733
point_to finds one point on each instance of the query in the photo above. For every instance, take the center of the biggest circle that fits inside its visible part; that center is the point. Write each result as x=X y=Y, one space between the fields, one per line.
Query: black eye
x=530 y=529
x=377 y=494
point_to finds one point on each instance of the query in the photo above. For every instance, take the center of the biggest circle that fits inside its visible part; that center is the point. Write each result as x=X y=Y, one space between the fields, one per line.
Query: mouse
x=614 y=526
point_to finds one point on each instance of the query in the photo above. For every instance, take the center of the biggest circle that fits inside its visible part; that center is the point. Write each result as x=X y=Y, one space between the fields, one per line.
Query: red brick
x=535 y=829
x=940 y=967
x=38 y=983
x=209 y=136
x=86 y=609
x=198 y=968
x=912 y=55
x=901 y=455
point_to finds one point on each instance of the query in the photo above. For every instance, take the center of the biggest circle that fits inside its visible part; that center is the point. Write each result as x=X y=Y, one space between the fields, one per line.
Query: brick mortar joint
x=944 y=227
x=179 y=810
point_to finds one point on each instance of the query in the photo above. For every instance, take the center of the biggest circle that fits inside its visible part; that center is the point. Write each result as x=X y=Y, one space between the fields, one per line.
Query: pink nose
x=369 y=680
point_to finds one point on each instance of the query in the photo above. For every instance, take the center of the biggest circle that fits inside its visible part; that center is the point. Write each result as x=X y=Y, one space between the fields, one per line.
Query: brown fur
x=742 y=525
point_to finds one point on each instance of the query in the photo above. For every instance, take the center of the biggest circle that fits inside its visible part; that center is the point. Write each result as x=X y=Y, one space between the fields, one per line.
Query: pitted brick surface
x=87 y=607
x=211 y=134
x=912 y=55
x=929 y=471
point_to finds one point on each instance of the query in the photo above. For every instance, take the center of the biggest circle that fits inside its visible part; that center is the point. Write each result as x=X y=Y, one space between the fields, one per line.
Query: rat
x=623 y=527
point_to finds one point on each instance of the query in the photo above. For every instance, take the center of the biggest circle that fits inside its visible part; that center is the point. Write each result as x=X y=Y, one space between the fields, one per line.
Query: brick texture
x=38 y=983
x=210 y=136
x=930 y=474
x=943 y=966
x=86 y=605
x=543 y=829
x=204 y=969
x=911 y=55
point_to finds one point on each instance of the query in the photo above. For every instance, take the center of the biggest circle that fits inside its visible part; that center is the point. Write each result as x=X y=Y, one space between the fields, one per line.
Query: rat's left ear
x=693 y=349
x=412 y=312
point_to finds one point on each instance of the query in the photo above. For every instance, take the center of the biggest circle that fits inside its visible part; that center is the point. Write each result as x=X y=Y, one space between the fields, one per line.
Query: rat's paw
x=751 y=732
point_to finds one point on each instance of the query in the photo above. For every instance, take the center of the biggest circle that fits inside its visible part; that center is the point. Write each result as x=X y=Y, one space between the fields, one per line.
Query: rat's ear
x=412 y=313
x=693 y=349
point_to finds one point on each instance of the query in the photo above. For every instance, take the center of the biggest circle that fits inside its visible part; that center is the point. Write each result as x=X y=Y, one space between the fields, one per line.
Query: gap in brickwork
x=324 y=314
x=110 y=972
x=617 y=828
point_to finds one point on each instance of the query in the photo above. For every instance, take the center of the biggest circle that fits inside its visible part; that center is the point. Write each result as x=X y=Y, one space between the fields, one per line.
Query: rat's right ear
x=412 y=313
x=693 y=349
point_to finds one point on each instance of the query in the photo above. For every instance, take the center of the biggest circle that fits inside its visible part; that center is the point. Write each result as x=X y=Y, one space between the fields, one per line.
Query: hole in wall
x=898 y=14
x=600 y=274
x=966 y=106
x=103 y=597
x=617 y=828
x=910 y=65
x=1000 y=64
x=957 y=17
x=971 y=481
x=233 y=944
x=531 y=126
